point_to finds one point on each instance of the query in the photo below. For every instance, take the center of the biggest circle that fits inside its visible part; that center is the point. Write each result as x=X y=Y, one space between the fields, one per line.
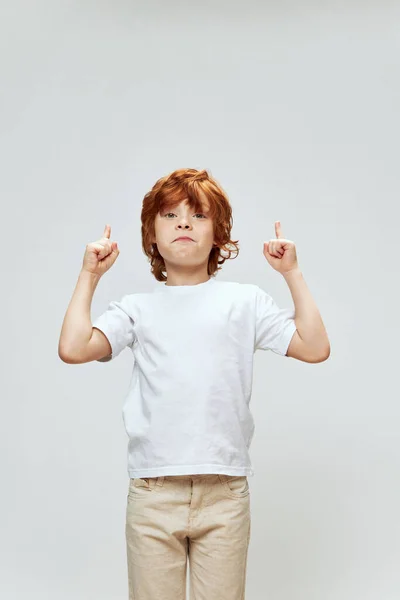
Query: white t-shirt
x=187 y=407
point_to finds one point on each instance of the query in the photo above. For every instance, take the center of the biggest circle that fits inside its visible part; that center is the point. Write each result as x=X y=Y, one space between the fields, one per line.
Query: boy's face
x=184 y=221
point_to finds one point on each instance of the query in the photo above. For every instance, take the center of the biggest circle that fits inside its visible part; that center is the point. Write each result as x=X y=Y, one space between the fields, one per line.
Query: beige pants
x=203 y=519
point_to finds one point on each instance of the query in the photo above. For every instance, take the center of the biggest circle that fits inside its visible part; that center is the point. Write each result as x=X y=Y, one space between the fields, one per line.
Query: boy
x=187 y=408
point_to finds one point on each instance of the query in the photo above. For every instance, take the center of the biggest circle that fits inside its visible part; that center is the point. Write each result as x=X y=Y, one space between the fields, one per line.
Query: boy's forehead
x=204 y=203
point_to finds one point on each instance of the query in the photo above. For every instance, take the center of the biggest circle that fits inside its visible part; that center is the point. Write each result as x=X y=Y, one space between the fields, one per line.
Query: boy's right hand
x=100 y=255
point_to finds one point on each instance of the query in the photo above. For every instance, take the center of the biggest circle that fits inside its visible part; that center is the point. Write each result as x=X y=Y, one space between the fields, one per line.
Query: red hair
x=188 y=184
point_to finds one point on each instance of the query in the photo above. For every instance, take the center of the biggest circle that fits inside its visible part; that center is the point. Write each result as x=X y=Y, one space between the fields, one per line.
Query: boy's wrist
x=84 y=274
x=293 y=273
x=88 y=280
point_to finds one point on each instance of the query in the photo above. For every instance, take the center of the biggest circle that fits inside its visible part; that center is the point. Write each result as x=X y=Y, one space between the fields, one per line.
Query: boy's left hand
x=281 y=253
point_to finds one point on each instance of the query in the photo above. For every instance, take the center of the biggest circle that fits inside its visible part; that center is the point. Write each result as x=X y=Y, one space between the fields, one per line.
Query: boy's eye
x=170 y=213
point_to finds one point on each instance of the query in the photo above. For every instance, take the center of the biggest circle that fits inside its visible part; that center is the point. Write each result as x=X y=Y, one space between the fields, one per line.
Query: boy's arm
x=79 y=342
x=310 y=342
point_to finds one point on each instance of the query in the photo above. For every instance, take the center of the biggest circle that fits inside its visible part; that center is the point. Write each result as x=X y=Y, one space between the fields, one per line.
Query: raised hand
x=281 y=253
x=100 y=255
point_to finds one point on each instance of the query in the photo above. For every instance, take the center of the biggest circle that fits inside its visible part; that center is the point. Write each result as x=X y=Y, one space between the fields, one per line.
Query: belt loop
x=160 y=480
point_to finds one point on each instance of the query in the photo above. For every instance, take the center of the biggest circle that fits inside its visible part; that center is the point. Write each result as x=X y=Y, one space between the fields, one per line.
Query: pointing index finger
x=107 y=231
x=278 y=230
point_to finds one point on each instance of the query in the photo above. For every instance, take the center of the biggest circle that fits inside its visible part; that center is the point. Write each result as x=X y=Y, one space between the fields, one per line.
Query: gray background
x=294 y=109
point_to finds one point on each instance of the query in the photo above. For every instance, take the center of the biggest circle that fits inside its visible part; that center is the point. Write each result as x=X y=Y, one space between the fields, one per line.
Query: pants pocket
x=141 y=487
x=235 y=486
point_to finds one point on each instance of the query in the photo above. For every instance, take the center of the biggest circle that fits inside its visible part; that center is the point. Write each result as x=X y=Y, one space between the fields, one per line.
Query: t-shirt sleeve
x=274 y=326
x=117 y=325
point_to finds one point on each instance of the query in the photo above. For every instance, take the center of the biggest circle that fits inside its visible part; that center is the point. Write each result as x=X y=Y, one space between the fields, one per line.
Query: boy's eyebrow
x=204 y=210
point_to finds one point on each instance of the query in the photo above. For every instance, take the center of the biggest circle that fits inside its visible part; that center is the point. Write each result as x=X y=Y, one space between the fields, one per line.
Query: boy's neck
x=186 y=280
